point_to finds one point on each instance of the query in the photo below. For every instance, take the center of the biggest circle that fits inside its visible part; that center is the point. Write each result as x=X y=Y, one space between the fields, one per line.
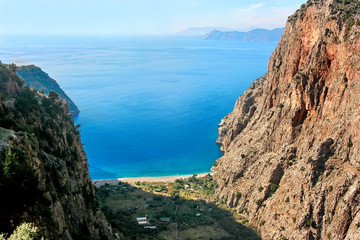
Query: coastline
x=133 y=180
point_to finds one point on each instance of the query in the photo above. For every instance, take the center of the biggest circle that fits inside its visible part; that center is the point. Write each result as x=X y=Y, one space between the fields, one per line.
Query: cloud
x=267 y=18
x=255 y=6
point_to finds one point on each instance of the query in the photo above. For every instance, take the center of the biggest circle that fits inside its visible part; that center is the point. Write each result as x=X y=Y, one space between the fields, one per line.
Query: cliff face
x=291 y=145
x=35 y=77
x=44 y=175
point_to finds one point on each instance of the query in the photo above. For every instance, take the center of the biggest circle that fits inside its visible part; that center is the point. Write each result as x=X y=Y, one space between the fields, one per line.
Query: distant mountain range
x=255 y=35
x=200 y=31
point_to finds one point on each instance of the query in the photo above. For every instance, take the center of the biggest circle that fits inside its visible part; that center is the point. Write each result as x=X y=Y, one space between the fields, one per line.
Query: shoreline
x=133 y=180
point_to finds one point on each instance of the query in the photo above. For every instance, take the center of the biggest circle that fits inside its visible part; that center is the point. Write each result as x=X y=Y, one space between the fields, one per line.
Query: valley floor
x=186 y=208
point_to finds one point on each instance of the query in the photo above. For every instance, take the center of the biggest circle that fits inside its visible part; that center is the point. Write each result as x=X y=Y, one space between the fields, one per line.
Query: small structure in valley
x=149 y=227
x=165 y=219
x=142 y=220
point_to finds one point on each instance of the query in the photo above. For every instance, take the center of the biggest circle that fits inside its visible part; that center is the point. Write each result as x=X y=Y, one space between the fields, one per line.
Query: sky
x=127 y=17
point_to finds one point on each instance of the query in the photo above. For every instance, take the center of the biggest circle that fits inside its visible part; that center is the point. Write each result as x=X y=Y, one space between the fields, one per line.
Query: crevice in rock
x=324 y=153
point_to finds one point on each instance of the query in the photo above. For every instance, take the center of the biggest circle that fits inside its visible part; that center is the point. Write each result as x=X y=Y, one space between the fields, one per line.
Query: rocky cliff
x=291 y=145
x=37 y=78
x=44 y=175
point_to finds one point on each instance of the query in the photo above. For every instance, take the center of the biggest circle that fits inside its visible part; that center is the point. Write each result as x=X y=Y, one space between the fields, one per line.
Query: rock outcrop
x=44 y=175
x=291 y=161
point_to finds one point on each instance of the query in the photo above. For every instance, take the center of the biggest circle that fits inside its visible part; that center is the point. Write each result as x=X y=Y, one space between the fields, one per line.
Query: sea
x=149 y=105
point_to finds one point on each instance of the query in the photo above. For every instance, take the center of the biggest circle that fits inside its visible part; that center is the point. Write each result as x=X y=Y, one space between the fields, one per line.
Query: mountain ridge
x=291 y=144
x=37 y=78
x=44 y=172
x=255 y=35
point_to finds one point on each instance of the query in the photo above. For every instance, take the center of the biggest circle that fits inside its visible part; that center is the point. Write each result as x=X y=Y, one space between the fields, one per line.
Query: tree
x=53 y=95
x=9 y=165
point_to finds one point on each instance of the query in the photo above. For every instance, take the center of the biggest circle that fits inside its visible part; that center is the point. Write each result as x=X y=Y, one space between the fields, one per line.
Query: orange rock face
x=291 y=145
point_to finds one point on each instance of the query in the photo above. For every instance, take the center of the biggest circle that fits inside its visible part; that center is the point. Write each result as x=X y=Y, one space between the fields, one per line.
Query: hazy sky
x=139 y=16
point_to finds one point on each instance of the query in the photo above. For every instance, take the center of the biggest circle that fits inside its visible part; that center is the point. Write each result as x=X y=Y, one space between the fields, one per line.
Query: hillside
x=256 y=35
x=200 y=31
x=35 y=77
x=291 y=145
x=44 y=177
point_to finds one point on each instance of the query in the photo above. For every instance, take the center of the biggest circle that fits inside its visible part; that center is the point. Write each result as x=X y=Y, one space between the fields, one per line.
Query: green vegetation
x=190 y=204
x=29 y=110
x=238 y=195
x=344 y=12
x=40 y=80
x=26 y=231
x=259 y=203
x=6 y=75
x=191 y=188
x=309 y=222
x=273 y=188
x=34 y=134
x=18 y=182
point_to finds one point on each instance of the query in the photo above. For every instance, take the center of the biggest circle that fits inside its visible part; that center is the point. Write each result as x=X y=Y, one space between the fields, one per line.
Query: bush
x=157 y=198
x=244 y=221
x=273 y=187
x=26 y=102
x=309 y=222
x=238 y=195
x=53 y=95
x=259 y=203
x=25 y=231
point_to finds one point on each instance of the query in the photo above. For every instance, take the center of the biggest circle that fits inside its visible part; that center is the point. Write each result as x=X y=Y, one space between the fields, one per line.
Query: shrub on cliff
x=25 y=231
x=18 y=183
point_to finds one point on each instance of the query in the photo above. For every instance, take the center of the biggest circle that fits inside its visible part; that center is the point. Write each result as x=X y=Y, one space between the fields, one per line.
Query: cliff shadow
x=138 y=214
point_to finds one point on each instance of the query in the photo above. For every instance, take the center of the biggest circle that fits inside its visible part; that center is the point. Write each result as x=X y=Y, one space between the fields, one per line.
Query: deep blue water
x=149 y=105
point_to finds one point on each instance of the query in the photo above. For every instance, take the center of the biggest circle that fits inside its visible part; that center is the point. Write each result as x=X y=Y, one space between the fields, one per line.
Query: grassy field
x=189 y=204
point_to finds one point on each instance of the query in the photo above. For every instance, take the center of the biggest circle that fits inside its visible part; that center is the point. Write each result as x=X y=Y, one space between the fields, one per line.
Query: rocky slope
x=37 y=78
x=291 y=145
x=44 y=175
x=255 y=35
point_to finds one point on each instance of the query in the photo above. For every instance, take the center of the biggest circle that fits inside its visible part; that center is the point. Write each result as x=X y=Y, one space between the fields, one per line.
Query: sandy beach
x=132 y=181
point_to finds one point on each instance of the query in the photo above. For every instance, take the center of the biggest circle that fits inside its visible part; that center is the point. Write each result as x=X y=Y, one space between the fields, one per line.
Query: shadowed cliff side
x=44 y=175
x=35 y=77
x=291 y=145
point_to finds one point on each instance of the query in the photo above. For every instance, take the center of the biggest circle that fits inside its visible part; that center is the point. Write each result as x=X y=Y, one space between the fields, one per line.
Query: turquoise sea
x=149 y=105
